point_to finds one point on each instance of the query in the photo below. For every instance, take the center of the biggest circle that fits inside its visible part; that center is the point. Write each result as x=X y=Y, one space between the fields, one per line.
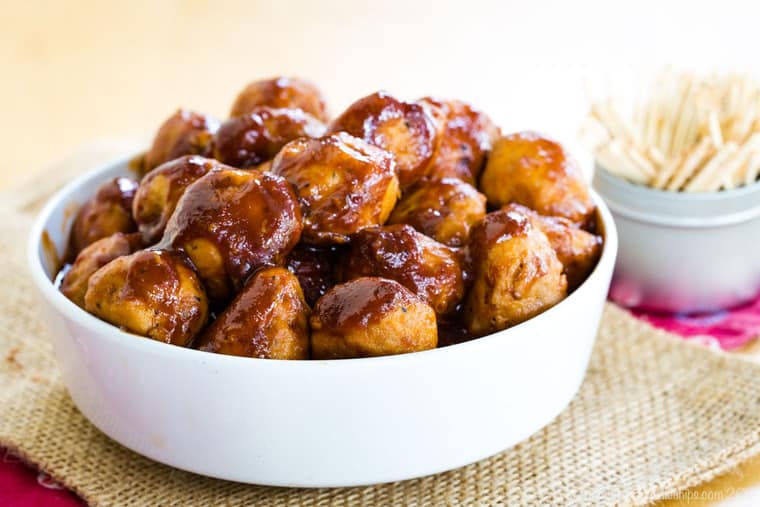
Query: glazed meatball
x=92 y=258
x=253 y=138
x=108 y=212
x=403 y=128
x=268 y=319
x=153 y=293
x=343 y=183
x=314 y=269
x=184 y=133
x=535 y=171
x=427 y=268
x=160 y=190
x=516 y=273
x=371 y=317
x=264 y=166
x=281 y=92
x=231 y=222
x=466 y=136
x=576 y=249
x=443 y=209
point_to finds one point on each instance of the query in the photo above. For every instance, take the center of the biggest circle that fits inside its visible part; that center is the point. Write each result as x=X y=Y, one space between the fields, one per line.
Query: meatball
x=281 y=92
x=153 y=293
x=344 y=185
x=92 y=258
x=160 y=190
x=371 y=317
x=264 y=166
x=314 y=269
x=576 y=249
x=253 y=138
x=268 y=319
x=427 y=268
x=403 y=128
x=232 y=222
x=537 y=172
x=184 y=133
x=108 y=212
x=443 y=209
x=516 y=273
x=465 y=134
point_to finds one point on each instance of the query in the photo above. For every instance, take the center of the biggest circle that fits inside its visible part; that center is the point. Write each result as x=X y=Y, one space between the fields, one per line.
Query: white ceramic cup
x=683 y=252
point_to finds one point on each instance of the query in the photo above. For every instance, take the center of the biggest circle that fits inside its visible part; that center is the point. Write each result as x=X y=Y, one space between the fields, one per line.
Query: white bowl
x=316 y=423
x=680 y=251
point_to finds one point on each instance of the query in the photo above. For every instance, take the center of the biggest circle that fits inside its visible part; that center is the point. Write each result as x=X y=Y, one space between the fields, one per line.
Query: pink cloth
x=23 y=486
x=726 y=329
x=723 y=330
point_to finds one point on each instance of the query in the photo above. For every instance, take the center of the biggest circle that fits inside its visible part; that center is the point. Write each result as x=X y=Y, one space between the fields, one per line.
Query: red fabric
x=23 y=486
x=725 y=329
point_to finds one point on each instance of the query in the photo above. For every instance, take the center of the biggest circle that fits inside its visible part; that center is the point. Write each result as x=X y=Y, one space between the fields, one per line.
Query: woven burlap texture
x=654 y=416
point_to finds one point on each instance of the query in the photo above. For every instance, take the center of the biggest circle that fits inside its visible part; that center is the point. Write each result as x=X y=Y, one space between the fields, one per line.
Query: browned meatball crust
x=405 y=129
x=160 y=191
x=253 y=138
x=232 y=222
x=516 y=273
x=577 y=250
x=371 y=317
x=153 y=293
x=443 y=209
x=281 y=92
x=466 y=136
x=92 y=258
x=109 y=211
x=343 y=183
x=427 y=268
x=268 y=319
x=314 y=269
x=183 y=133
x=536 y=172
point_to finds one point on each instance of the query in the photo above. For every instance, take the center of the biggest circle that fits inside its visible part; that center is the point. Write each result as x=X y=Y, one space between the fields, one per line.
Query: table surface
x=78 y=72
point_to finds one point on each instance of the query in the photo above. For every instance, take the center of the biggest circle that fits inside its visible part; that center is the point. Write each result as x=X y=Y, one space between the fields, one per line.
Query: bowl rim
x=108 y=331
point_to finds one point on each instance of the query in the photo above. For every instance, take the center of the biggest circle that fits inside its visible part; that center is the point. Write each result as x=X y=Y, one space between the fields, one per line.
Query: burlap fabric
x=653 y=417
